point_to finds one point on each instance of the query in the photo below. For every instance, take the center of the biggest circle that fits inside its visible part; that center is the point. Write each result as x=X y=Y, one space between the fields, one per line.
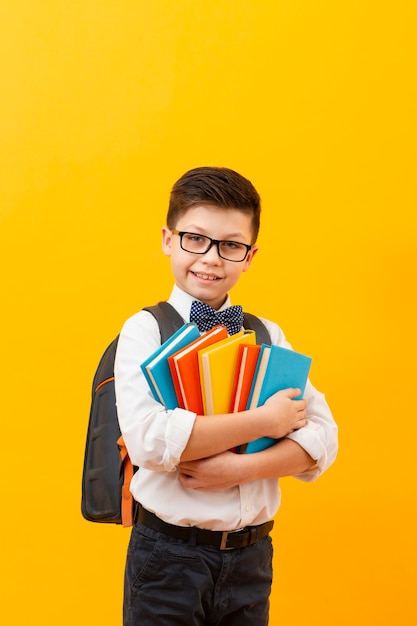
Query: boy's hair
x=216 y=186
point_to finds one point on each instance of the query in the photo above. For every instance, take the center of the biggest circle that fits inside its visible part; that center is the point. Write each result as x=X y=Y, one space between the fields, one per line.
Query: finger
x=292 y=393
x=300 y=405
x=186 y=480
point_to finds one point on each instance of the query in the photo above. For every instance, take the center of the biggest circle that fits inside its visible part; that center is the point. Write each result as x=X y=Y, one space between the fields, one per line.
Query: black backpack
x=107 y=470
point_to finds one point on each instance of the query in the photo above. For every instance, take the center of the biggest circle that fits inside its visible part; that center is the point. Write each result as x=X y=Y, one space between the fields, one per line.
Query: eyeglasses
x=200 y=244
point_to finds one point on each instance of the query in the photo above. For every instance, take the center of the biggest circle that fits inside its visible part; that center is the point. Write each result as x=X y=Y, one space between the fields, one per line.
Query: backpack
x=108 y=470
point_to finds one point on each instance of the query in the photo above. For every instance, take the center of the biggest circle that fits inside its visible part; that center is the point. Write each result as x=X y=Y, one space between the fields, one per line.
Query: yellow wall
x=104 y=104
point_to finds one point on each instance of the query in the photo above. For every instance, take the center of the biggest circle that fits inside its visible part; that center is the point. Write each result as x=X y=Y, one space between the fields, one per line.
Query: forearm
x=216 y=433
x=280 y=415
x=285 y=458
x=226 y=470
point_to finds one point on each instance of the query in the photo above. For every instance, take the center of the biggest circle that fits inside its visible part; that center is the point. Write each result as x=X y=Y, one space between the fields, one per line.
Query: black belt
x=224 y=540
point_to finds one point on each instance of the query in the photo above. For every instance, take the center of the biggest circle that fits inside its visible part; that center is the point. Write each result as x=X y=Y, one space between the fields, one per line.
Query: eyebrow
x=201 y=231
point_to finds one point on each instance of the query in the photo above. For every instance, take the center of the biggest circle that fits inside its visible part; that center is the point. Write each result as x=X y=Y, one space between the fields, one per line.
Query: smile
x=205 y=276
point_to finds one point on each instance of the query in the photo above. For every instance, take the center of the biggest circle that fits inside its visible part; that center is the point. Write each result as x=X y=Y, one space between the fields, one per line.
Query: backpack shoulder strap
x=168 y=318
x=254 y=323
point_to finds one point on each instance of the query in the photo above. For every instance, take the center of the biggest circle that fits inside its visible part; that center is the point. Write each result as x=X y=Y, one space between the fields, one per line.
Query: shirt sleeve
x=155 y=437
x=319 y=437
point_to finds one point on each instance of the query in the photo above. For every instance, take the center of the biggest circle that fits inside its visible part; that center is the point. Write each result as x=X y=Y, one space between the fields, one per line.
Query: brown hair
x=217 y=186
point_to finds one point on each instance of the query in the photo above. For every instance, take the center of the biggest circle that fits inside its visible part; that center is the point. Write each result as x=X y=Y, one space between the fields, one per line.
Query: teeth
x=206 y=276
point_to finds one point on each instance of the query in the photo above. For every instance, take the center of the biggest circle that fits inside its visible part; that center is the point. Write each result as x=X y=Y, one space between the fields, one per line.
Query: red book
x=245 y=370
x=185 y=369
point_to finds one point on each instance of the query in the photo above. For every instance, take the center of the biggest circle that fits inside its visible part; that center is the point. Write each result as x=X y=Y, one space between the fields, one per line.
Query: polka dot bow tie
x=206 y=317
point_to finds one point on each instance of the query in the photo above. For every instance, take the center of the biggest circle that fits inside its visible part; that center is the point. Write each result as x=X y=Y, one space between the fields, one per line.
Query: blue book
x=156 y=368
x=277 y=368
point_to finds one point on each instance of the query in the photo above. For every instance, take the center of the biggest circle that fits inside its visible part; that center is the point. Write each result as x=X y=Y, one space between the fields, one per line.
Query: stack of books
x=215 y=373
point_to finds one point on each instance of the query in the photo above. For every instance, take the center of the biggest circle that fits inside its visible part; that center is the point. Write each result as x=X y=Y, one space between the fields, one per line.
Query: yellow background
x=104 y=104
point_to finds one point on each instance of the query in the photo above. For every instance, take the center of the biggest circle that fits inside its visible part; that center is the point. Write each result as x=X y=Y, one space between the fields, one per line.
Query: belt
x=223 y=540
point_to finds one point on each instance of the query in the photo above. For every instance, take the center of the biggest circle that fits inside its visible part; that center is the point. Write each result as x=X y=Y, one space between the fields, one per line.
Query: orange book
x=245 y=370
x=217 y=371
x=185 y=370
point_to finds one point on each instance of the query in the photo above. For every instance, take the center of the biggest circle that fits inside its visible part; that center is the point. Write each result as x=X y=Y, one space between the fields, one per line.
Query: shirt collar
x=182 y=301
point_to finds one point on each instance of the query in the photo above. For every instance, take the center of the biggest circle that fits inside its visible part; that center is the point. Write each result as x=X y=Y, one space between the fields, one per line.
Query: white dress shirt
x=155 y=438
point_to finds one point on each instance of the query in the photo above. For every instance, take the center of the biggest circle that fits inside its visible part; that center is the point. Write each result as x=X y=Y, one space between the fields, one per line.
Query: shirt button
x=248 y=508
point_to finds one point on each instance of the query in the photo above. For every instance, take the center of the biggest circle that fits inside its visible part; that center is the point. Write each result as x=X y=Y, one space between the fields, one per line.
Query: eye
x=193 y=237
x=232 y=245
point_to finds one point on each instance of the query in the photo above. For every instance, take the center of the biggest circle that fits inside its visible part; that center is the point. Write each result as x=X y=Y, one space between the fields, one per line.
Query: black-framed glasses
x=200 y=244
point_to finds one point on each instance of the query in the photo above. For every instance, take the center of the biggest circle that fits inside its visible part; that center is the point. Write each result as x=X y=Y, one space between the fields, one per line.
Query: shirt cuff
x=179 y=427
x=310 y=439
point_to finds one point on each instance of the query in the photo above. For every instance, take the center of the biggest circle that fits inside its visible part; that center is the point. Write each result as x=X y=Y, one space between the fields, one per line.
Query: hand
x=220 y=471
x=285 y=413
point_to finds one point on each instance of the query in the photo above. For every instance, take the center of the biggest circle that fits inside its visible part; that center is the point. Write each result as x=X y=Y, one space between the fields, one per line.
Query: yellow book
x=217 y=366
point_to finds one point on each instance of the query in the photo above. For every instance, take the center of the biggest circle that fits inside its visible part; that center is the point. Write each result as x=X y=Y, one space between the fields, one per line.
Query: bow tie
x=206 y=317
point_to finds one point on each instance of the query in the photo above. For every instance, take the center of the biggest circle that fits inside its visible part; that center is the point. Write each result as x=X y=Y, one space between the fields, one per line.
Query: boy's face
x=208 y=277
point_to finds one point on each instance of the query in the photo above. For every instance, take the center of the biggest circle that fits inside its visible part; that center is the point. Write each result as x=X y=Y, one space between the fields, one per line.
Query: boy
x=200 y=551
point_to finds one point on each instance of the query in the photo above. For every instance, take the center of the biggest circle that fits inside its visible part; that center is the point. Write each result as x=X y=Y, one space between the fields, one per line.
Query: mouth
x=202 y=276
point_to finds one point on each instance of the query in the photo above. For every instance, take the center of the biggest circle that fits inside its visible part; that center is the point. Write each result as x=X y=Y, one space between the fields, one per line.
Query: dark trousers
x=169 y=582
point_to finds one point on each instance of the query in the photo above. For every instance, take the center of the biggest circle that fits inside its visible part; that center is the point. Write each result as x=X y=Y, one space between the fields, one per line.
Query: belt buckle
x=223 y=543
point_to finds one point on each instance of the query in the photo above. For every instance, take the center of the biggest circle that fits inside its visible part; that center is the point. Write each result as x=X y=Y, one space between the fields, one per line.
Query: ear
x=249 y=258
x=166 y=241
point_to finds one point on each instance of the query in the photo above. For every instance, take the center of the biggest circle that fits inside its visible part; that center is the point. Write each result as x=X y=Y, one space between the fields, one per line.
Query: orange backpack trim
x=127 y=498
x=104 y=382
